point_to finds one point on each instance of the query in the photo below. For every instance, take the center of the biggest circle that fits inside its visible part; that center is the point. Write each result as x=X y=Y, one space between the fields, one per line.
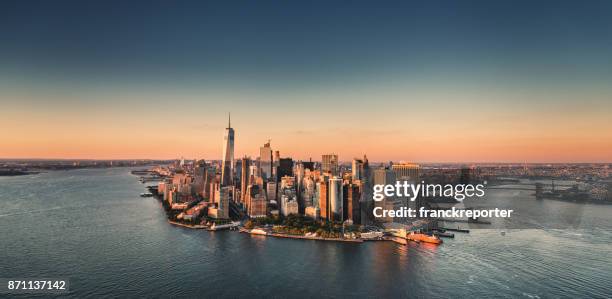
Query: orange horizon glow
x=496 y=126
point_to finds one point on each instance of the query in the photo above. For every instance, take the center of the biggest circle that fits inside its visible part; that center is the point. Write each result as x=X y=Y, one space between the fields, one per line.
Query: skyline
x=426 y=82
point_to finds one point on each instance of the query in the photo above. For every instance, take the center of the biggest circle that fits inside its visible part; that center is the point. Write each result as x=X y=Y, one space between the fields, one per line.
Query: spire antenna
x=229 y=119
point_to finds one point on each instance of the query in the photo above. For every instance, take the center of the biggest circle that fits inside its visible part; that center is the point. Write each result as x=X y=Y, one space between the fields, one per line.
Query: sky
x=422 y=81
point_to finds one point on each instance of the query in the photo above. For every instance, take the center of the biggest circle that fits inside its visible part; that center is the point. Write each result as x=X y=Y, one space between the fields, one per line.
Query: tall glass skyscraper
x=227 y=164
x=335 y=199
x=265 y=161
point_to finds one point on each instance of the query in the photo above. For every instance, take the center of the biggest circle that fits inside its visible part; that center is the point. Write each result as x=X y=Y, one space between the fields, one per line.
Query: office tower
x=323 y=187
x=257 y=205
x=237 y=172
x=275 y=164
x=406 y=171
x=285 y=168
x=308 y=192
x=271 y=191
x=254 y=169
x=309 y=165
x=265 y=161
x=351 y=204
x=245 y=177
x=288 y=196
x=330 y=164
x=222 y=198
x=335 y=199
x=227 y=164
x=298 y=171
x=357 y=169
x=385 y=176
x=199 y=177
x=366 y=202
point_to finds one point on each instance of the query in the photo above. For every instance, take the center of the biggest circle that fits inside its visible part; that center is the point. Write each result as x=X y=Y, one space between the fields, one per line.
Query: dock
x=459 y=230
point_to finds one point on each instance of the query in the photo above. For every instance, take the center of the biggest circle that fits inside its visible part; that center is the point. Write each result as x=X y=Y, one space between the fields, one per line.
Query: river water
x=90 y=226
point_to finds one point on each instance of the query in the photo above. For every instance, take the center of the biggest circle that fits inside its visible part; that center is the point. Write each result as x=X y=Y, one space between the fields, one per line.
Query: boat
x=397 y=240
x=418 y=237
x=148 y=194
x=372 y=235
x=258 y=231
x=444 y=234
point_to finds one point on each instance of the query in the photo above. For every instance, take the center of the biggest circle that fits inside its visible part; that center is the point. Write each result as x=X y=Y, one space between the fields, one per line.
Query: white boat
x=258 y=231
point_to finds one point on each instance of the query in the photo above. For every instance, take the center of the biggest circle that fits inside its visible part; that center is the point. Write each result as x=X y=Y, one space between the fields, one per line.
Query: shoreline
x=241 y=229
x=286 y=236
x=191 y=226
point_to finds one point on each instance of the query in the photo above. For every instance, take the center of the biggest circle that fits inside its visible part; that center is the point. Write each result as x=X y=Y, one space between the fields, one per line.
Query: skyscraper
x=335 y=199
x=284 y=168
x=385 y=176
x=323 y=187
x=330 y=164
x=350 y=203
x=275 y=163
x=245 y=177
x=357 y=168
x=265 y=161
x=227 y=164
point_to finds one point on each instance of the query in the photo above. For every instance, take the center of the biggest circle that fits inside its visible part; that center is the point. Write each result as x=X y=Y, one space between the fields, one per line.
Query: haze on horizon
x=429 y=82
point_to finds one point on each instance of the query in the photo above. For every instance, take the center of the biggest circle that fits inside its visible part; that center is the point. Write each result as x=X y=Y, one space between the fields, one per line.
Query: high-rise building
x=222 y=198
x=265 y=161
x=237 y=172
x=384 y=176
x=357 y=169
x=284 y=168
x=308 y=192
x=323 y=187
x=288 y=197
x=406 y=171
x=271 y=190
x=330 y=164
x=298 y=171
x=227 y=164
x=366 y=202
x=275 y=163
x=335 y=199
x=351 y=204
x=257 y=205
x=254 y=170
x=309 y=165
x=245 y=177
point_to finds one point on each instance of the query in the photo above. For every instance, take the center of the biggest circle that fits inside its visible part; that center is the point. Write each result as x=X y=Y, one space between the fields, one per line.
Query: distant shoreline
x=17 y=173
